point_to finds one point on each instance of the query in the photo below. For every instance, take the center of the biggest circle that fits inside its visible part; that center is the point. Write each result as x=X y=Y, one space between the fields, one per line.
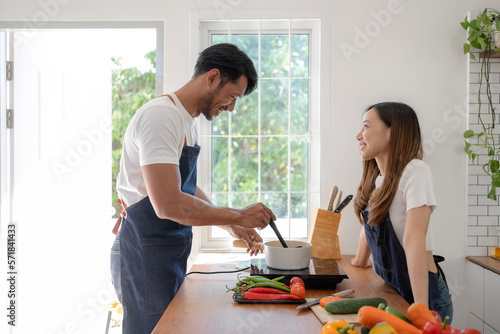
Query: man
x=157 y=186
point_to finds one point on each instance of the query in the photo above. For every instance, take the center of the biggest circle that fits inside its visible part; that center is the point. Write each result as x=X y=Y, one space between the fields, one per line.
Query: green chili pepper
x=267 y=285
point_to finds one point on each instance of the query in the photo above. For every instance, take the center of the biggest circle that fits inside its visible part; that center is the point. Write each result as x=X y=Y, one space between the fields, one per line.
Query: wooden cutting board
x=325 y=317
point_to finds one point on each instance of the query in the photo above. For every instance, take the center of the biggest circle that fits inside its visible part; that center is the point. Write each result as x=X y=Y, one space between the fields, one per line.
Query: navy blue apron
x=149 y=256
x=389 y=260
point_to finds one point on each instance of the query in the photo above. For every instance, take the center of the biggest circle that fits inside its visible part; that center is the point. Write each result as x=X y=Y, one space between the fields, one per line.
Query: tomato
x=298 y=290
x=297 y=280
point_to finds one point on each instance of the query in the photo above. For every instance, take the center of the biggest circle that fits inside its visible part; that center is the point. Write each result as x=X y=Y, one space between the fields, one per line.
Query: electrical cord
x=216 y=272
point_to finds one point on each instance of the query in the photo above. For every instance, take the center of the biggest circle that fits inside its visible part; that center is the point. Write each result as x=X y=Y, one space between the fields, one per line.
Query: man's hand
x=256 y=215
x=249 y=235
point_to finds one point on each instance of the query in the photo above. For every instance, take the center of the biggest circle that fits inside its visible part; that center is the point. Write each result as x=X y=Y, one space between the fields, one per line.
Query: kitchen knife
x=339 y=198
x=316 y=301
x=332 y=198
x=343 y=204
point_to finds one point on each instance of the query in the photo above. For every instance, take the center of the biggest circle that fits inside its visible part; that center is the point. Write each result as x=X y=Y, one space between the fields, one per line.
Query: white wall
x=414 y=57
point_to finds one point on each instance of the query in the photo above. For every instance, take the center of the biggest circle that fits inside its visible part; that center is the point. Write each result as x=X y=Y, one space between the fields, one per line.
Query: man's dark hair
x=231 y=62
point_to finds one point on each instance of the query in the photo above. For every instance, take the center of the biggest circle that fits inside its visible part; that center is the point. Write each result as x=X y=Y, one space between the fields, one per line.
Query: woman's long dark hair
x=405 y=144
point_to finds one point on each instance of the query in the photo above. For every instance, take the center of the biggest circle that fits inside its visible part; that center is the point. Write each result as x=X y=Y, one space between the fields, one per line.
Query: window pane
x=274 y=159
x=249 y=44
x=274 y=108
x=220 y=38
x=242 y=200
x=244 y=164
x=298 y=164
x=219 y=164
x=220 y=124
x=299 y=109
x=245 y=118
x=300 y=55
x=278 y=202
x=299 y=205
x=274 y=55
x=298 y=223
x=220 y=199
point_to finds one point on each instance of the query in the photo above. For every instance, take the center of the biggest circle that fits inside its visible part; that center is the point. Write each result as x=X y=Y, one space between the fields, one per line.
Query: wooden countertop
x=203 y=306
x=486 y=262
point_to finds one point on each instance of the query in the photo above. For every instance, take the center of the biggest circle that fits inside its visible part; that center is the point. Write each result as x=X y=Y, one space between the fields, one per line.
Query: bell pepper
x=338 y=327
x=437 y=328
x=383 y=328
x=469 y=331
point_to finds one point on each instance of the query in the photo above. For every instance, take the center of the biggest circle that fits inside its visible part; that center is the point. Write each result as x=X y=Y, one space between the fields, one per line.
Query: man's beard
x=207 y=101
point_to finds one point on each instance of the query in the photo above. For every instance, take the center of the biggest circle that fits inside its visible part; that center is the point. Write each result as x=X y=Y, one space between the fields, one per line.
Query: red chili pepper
x=267 y=296
x=267 y=290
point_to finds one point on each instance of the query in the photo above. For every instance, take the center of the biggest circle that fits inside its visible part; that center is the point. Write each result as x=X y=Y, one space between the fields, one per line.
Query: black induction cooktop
x=320 y=273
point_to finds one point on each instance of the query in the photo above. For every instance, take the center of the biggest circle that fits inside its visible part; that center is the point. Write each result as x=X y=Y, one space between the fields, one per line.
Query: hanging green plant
x=481 y=33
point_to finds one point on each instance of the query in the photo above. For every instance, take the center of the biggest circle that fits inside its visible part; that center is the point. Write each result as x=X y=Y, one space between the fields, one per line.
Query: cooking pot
x=296 y=256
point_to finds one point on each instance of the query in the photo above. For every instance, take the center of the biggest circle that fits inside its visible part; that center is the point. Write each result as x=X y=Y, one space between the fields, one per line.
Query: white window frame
x=210 y=22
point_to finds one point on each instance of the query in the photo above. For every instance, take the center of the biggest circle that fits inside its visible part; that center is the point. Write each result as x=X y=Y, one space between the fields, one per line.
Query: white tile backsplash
x=487 y=220
x=487 y=241
x=477 y=231
x=477 y=251
x=483 y=221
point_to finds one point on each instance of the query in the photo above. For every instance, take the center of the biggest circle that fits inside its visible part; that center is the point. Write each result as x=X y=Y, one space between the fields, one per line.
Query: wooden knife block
x=323 y=235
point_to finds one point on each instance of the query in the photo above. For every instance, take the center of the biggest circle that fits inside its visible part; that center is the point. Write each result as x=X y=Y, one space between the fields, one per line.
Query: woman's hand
x=358 y=263
x=362 y=255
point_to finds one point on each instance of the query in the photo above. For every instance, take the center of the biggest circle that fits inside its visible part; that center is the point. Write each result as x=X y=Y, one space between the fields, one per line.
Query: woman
x=394 y=202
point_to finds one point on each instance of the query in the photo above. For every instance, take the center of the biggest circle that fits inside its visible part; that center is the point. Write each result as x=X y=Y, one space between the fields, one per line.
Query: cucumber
x=352 y=305
x=396 y=312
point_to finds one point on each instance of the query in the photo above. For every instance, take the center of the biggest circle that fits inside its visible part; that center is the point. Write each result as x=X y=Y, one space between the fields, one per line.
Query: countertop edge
x=486 y=262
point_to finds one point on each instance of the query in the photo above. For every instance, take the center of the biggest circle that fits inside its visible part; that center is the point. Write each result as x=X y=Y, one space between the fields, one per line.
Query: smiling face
x=373 y=137
x=222 y=98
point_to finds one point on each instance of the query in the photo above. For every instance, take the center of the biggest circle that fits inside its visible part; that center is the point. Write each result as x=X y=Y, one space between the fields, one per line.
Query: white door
x=62 y=180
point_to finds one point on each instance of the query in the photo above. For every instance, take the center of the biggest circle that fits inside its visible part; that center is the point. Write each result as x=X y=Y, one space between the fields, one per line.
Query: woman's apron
x=389 y=259
x=149 y=256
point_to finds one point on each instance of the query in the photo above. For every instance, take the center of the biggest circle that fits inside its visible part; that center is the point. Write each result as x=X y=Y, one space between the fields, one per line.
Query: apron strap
x=123 y=213
x=381 y=234
x=171 y=99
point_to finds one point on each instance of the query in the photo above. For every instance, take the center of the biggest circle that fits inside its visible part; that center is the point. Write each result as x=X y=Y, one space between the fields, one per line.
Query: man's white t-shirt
x=415 y=189
x=155 y=135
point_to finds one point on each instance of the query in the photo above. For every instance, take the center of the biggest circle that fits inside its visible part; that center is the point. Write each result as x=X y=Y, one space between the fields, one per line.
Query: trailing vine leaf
x=467 y=147
x=493 y=193
x=494 y=165
x=468 y=134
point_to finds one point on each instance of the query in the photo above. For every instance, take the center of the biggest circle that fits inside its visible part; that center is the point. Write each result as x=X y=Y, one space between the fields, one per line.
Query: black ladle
x=278 y=234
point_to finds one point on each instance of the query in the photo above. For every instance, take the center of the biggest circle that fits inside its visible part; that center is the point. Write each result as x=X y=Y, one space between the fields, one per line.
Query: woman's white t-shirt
x=155 y=135
x=415 y=189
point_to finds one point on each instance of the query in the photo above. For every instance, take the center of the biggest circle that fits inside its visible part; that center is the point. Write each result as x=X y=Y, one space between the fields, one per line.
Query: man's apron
x=389 y=259
x=149 y=256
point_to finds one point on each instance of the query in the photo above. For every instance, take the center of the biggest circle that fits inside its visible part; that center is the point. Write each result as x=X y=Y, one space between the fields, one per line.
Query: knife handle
x=241 y=244
x=343 y=293
x=332 y=198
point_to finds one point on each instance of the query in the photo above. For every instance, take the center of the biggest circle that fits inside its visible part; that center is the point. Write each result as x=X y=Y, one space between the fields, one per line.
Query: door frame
x=157 y=25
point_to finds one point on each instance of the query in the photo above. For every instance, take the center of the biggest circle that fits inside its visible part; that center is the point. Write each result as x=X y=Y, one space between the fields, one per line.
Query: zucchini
x=352 y=305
